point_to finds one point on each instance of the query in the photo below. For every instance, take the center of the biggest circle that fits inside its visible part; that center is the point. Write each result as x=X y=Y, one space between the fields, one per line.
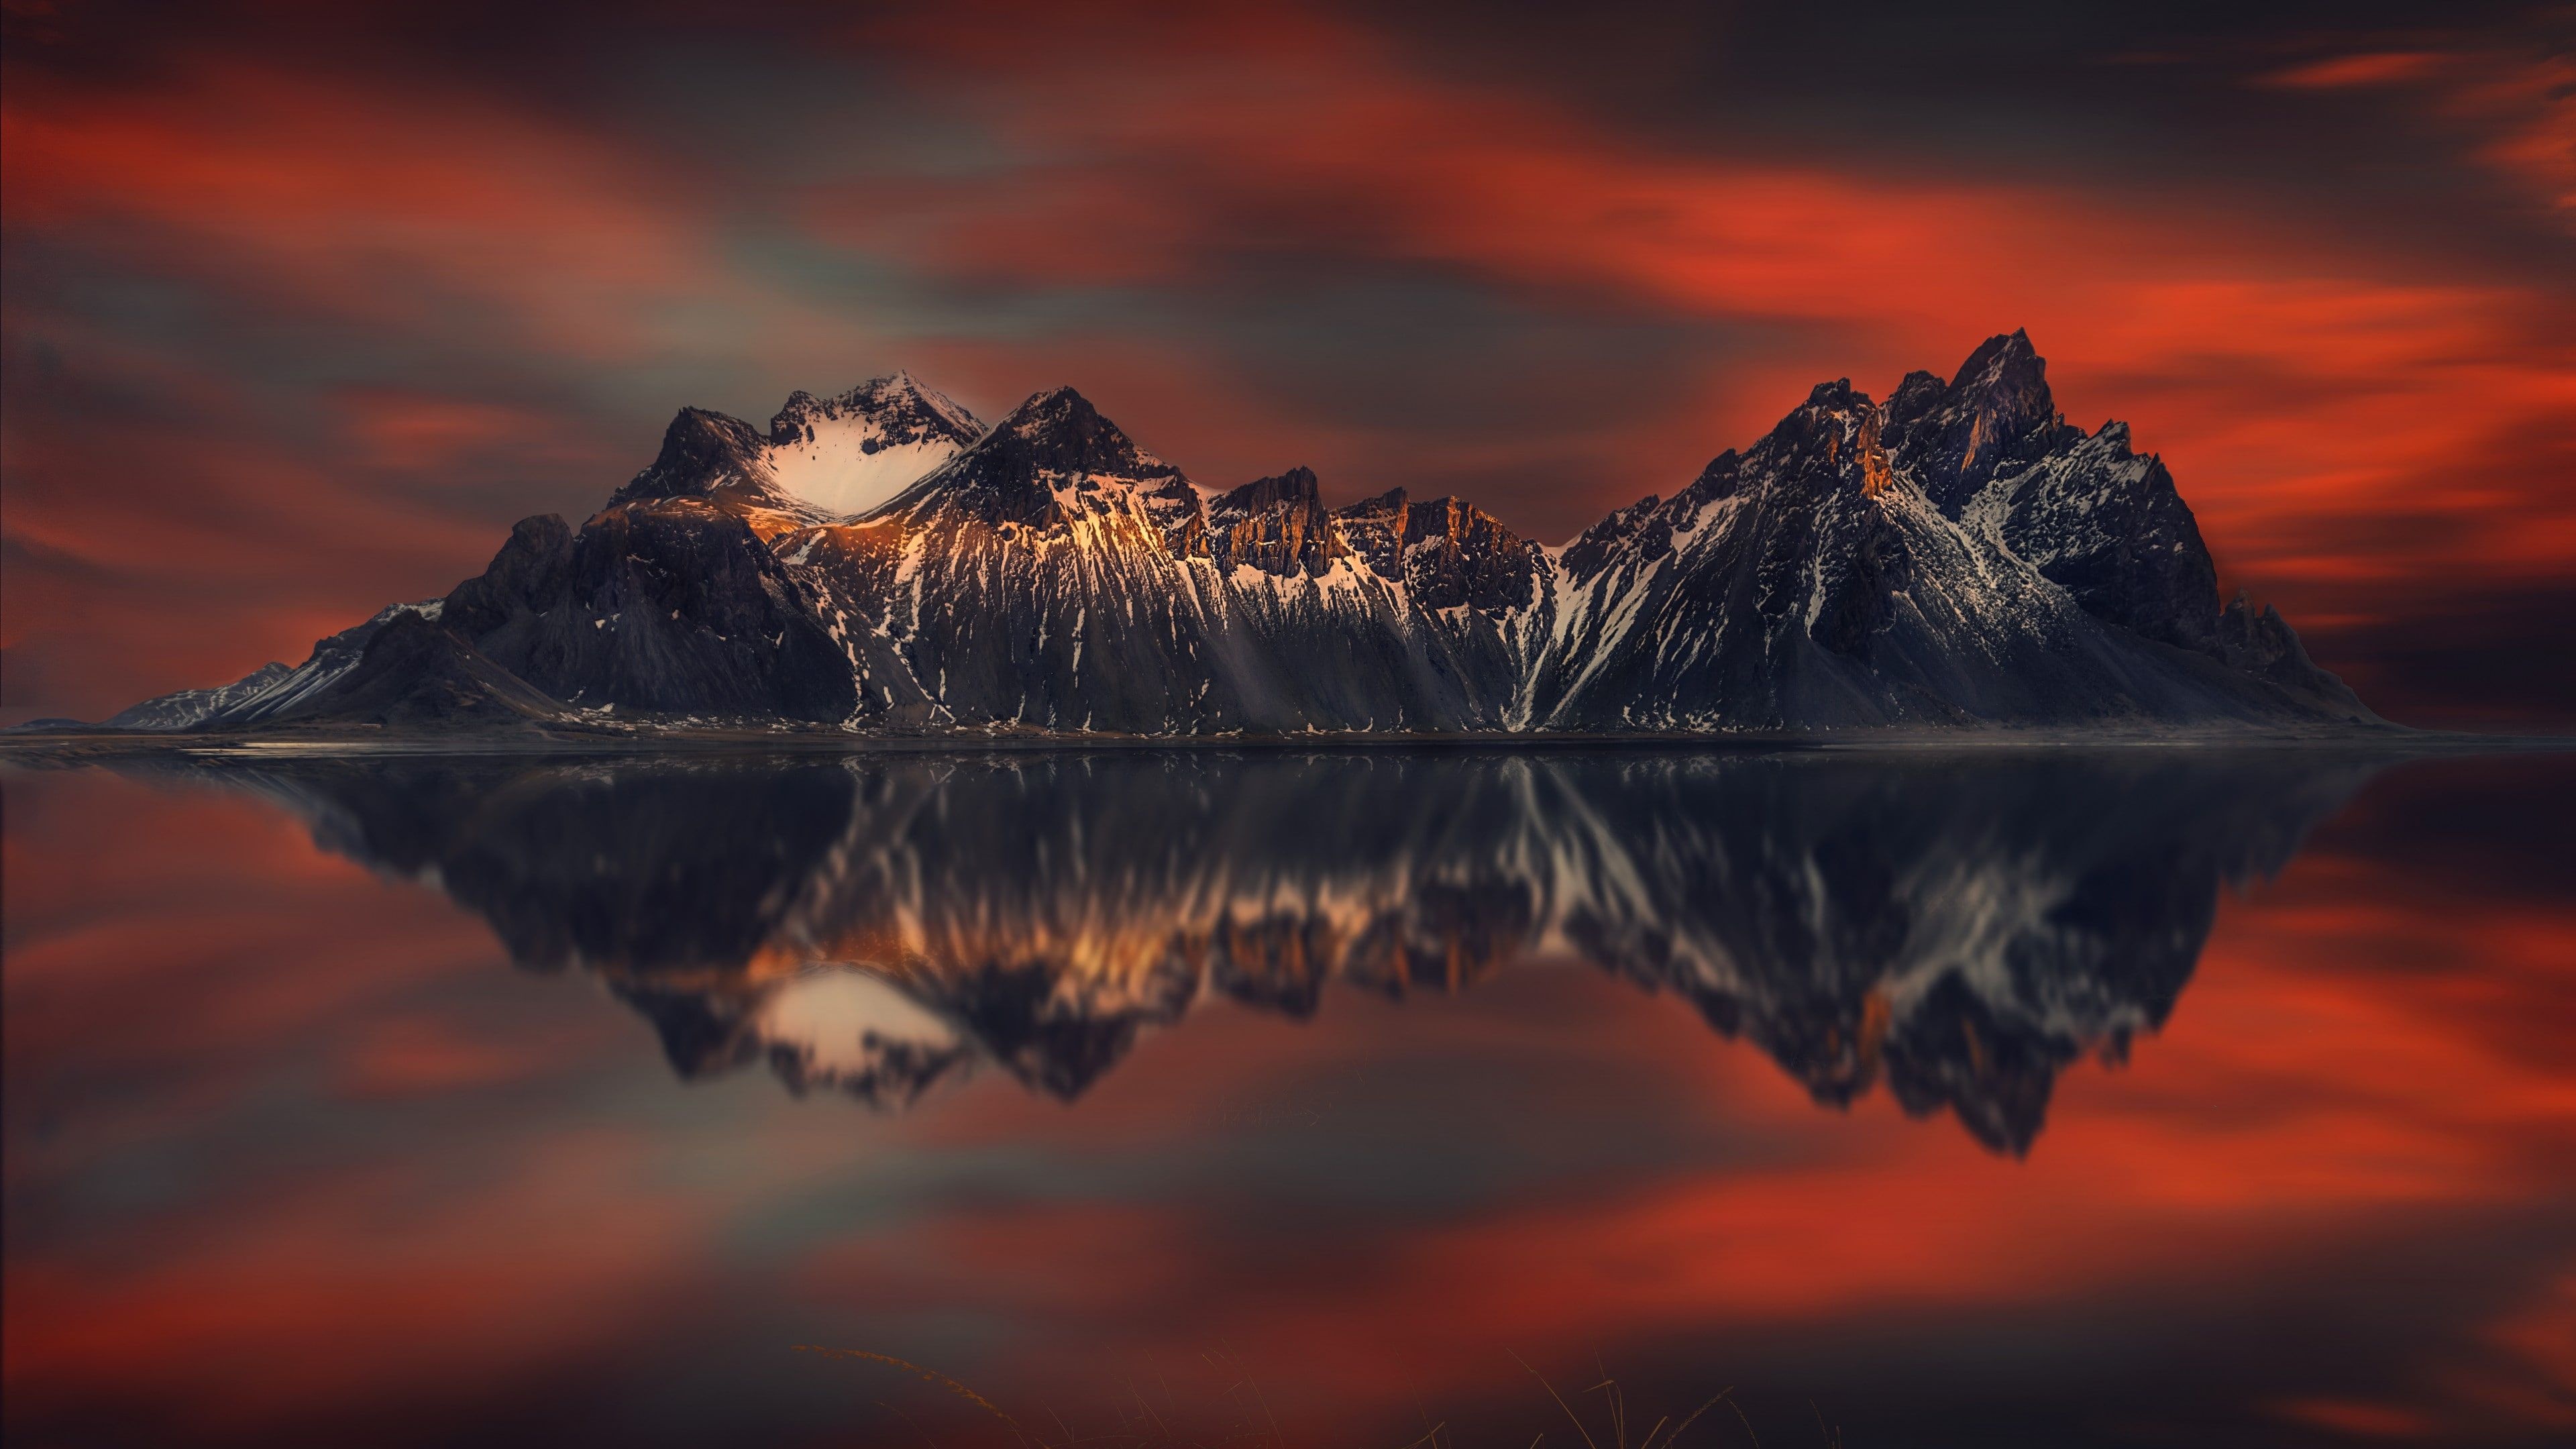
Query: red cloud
x=2522 y=107
x=2370 y=68
x=382 y=208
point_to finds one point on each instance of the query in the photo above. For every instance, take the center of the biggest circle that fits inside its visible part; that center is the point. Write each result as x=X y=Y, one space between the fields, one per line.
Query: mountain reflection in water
x=1959 y=925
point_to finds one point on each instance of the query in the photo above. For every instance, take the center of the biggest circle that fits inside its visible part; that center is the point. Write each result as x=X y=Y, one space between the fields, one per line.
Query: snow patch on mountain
x=843 y=468
x=846 y=455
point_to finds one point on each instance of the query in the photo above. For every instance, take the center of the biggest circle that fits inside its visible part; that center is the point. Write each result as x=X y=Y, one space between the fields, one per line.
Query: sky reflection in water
x=1975 y=1097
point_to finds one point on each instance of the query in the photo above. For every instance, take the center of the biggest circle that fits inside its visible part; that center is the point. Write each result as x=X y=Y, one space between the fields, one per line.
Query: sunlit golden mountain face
x=1958 y=931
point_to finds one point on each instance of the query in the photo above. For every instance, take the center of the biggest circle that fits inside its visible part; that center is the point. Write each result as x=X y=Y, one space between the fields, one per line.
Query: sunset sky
x=304 y=304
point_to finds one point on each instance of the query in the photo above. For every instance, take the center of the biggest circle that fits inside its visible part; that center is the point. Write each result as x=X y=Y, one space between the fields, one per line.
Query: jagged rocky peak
x=1837 y=396
x=1917 y=394
x=1296 y=489
x=821 y=459
x=1644 y=529
x=2091 y=516
x=1995 y=415
x=1832 y=437
x=2007 y=377
x=1376 y=528
x=2109 y=527
x=530 y=573
x=845 y=455
x=702 y=452
x=1054 y=457
x=2263 y=645
x=1445 y=550
x=1715 y=481
x=1059 y=432
x=898 y=407
x=1278 y=525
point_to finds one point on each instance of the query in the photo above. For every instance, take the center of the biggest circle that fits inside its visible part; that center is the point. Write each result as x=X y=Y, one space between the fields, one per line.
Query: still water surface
x=2155 y=1097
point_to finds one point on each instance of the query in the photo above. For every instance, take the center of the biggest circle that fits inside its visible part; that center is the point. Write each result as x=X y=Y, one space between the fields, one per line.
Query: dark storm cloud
x=2476 y=657
x=2157 y=93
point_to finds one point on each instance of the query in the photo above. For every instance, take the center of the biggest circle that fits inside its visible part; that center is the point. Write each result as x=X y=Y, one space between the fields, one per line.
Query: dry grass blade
x=1675 y=1436
x=929 y=1442
x=1141 y=1402
x=1608 y=1388
x=928 y=1376
x=1244 y=1380
x=1560 y=1400
x=1747 y=1423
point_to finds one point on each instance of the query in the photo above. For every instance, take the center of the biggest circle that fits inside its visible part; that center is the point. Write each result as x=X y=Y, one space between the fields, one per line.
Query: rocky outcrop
x=275 y=692
x=706 y=455
x=1278 y=525
x=413 y=674
x=665 y=607
x=190 y=707
x=1993 y=418
x=1446 y=552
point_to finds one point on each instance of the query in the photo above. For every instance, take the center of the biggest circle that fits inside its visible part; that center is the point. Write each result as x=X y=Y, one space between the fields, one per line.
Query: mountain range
x=882 y=561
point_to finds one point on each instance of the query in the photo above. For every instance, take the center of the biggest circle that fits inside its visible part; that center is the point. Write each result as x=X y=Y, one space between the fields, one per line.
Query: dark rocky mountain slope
x=1955 y=556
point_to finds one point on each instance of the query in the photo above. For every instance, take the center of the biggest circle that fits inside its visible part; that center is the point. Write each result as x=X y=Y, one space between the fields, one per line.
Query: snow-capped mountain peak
x=1052 y=459
x=821 y=459
x=845 y=455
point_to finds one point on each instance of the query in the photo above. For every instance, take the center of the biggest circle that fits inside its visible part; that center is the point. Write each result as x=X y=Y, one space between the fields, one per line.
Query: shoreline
x=78 y=746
